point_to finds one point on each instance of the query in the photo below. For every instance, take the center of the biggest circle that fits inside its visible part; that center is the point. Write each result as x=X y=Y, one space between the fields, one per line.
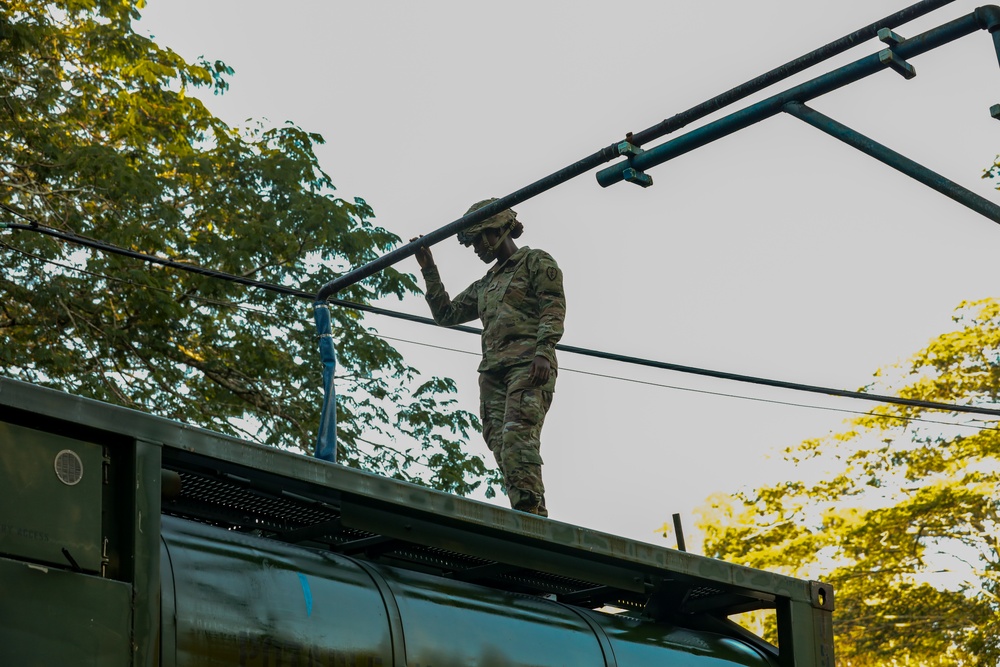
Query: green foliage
x=101 y=136
x=902 y=516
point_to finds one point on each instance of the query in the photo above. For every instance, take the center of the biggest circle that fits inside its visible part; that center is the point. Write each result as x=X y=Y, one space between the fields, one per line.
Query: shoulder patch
x=552 y=272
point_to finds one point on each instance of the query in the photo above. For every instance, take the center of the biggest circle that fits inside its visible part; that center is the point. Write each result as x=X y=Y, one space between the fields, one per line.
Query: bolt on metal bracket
x=631 y=174
x=889 y=37
x=629 y=149
x=902 y=67
x=889 y=56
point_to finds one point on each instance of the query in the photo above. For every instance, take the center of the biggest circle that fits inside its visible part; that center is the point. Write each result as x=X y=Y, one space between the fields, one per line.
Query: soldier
x=521 y=303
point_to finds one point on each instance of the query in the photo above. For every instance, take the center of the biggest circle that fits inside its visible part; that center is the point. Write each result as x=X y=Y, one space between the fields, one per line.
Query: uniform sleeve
x=548 y=286
x=446 y=312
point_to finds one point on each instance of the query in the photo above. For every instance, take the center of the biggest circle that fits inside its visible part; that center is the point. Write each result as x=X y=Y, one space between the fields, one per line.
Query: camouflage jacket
x=521 y=304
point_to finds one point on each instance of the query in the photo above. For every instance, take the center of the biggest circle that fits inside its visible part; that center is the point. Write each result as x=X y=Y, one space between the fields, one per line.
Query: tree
x=102 y=137
x=902 y=514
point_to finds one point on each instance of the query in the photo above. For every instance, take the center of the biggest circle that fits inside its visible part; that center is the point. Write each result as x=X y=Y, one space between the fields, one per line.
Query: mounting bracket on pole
x=631 y=174
x=889 y=37
x=890 y=58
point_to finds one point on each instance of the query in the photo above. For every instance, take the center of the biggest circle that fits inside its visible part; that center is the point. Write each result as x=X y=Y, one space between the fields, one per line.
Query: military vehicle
x=128 y=539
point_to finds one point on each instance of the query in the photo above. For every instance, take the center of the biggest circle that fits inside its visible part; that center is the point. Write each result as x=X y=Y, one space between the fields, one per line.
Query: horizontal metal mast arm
x=611 y=152
x=567 y=173
x=821 y=85
x=790 y=68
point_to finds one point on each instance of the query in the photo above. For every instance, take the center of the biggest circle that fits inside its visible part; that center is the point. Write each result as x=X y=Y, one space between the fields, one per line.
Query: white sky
x=775 y=252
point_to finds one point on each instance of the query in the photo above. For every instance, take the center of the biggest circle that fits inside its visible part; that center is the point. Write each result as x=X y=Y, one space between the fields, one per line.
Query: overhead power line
x=720 y=394
x=562 y=369
x=663 y=365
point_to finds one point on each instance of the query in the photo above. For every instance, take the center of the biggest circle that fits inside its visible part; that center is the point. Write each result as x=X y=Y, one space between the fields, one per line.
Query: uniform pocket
x=531 y=457
x=532 y=406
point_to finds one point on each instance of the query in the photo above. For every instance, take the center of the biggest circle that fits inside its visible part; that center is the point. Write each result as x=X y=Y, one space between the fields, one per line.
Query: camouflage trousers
x=512 y=412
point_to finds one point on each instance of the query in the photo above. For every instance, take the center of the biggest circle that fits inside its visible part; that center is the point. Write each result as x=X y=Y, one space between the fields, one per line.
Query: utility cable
x=721 y=394
x=563 y=369
x=662 y=365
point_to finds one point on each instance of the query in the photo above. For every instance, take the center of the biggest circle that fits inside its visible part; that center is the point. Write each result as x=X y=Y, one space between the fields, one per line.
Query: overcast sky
x=775 y=252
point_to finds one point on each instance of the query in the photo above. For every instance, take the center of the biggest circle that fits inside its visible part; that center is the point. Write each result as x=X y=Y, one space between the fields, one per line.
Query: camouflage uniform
x=522 y=307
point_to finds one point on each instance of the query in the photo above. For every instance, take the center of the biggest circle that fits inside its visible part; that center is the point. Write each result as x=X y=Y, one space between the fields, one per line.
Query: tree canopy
x=901 y=512
x=103 y=137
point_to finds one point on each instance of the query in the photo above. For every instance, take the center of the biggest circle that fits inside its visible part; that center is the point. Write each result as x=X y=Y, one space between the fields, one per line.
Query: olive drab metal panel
x=52 y=617
x=238 y=599
x=220 y=551
x=51 y=512
x=79 y=531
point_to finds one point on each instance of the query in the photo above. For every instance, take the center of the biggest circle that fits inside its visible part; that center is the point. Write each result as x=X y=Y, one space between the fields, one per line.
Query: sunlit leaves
x=903 y=520
x=102 y=134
